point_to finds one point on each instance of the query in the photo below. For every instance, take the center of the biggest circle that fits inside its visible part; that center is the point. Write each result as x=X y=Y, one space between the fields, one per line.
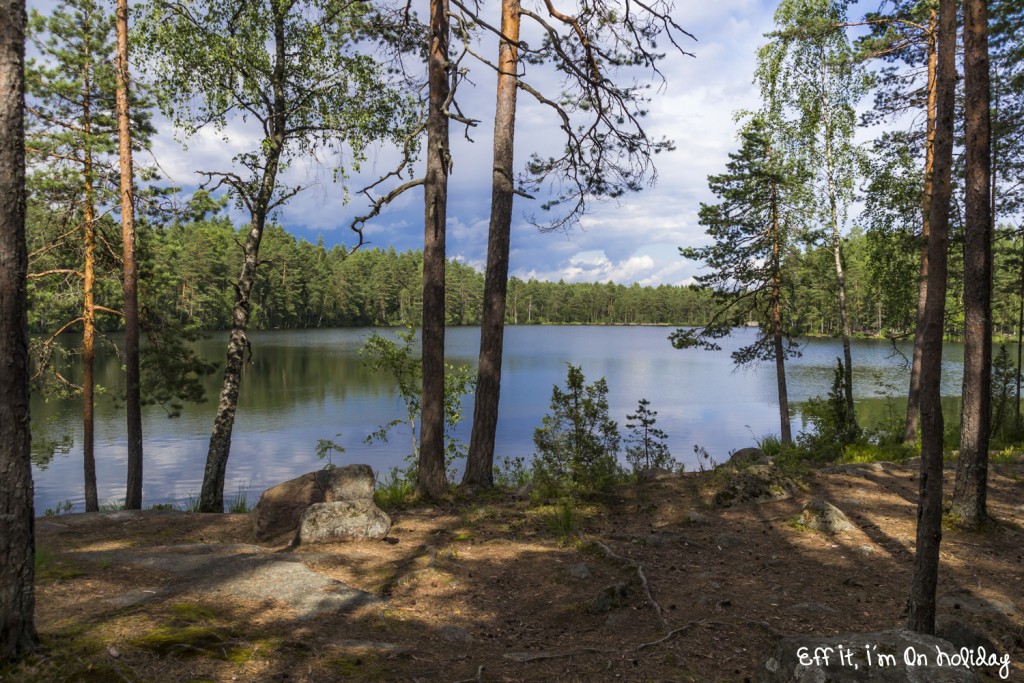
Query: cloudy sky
x=633 y=240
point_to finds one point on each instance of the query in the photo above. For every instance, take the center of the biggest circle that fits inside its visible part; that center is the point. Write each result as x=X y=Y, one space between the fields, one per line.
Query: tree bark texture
x=914 y=393
x=480 y=462
x=92 y=503
x=133 y=391
x=431 y=481
x=780 y=354
x=844 y=318
x=969 y=492
x=929 y=512
x=211 y=498
x=17 y=541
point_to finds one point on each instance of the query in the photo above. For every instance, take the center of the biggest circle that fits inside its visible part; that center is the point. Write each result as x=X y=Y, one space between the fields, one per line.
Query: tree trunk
x=92 y=503
x=211 y=498
x=844 y=319
x=780 y=354
x=969 y=492
x=133 y=392
x=929 y=513
x=17 y=541
x=431 y=481
x=914 y=393
x=480 y=463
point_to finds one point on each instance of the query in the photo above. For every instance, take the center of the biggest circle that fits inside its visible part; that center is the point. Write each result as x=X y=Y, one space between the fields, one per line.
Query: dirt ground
x=487 y=590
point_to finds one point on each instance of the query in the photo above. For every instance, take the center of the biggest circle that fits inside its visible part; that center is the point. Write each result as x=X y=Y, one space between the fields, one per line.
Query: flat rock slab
x=245 y=572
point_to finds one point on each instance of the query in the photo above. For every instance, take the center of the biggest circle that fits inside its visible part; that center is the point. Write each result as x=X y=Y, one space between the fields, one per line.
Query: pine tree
x=647 y=449
x=71 y=142
x=760 y=204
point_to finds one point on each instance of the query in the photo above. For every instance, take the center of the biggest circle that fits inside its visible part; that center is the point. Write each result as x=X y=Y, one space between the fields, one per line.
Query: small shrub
x=704 y=460
x=770 y=445
x=647 y=448
x=61 y=508
x=403 y=363
x=562 y=522
x=190 y=505
x=395 y=489
x=511 y=473
x=577 y=444
x=161 y=506
x=324 y=449
x=240 y=503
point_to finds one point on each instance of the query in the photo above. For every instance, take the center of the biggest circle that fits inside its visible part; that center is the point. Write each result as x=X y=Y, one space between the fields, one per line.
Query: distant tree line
x=187 y=267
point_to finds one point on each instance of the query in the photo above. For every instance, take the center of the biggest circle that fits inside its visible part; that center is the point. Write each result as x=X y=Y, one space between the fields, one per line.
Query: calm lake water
x=311 y=384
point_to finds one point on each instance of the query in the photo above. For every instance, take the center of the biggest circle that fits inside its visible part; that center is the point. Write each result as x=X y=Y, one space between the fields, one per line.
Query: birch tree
x=809 y=77
x=299 y=71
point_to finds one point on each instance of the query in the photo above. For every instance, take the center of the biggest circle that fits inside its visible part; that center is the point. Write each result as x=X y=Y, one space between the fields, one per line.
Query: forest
x=809 y=228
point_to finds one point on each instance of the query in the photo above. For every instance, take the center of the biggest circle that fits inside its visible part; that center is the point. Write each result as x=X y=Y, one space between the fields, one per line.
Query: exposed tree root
x=637 y=569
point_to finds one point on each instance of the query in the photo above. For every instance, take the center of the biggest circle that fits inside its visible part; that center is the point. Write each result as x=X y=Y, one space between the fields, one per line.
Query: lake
x=306 y=385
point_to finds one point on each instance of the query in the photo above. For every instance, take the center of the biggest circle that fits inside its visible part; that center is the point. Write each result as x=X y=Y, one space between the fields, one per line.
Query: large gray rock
x=823 y=516
x=756 y=484
x=281 y=507
x=343 y=520
x=793 y=660
x=745 y=457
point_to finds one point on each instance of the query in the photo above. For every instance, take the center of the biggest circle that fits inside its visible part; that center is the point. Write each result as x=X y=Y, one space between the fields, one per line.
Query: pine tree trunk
x=780 y=354
x=970 y=490
x=431 y=481
x=133 y=392
x=480 y=462
x=92 y=503
x=929 y=513
x=914 y=393
x=17 y=541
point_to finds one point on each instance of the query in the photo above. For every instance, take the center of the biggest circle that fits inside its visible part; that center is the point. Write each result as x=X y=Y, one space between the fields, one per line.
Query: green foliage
x=828 y=416
x=395 y=489
x=1004 y=394
x=562 y=522
x=704 y=460
x=191 y=504
x=646 y=447
x=511 y=473
x=759 y=201
x=324 y=448
x=240 y=503
x=402 y=361
x=61 y=508
x=770 y=445
x=577 y=444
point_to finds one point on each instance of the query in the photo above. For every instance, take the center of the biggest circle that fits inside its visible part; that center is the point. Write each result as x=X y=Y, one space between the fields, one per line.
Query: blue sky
x=635 y=239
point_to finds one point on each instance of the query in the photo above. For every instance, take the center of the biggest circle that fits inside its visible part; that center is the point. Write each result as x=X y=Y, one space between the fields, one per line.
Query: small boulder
x=650 y=474
x=962 y=633
x=756 y=484
x=579 y=571
x=792 y=660
x=280 y=507
x=745 y=457
x=343 y=520
x=614 y=595
x=825 y=517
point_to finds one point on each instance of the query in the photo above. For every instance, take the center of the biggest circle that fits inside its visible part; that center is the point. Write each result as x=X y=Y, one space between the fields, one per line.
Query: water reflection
x=307 y=385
